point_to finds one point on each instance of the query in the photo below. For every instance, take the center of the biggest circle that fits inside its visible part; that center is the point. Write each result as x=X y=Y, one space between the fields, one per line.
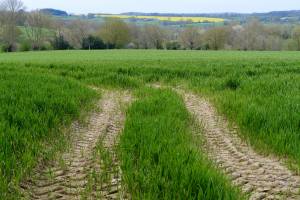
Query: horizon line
x=205 y=13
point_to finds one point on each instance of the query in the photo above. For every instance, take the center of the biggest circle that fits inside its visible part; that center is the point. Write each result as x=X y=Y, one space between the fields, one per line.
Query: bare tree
x=274 y=37
x=12 y=10
x=235 y=39
x=135 y=33
x=190 y=38
x=296 y=37
x=35 y=27
x=254 y=35
x=78 y=30
x=155 y=36
x=2 y=21
x=140 y=37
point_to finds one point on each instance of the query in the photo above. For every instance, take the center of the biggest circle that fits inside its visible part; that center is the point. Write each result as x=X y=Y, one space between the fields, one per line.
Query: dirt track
x=260 y=176
x=75 y=175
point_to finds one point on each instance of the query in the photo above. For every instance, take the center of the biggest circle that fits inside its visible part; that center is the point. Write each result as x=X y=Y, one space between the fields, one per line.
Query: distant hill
x=55 y=12
x=291 y=16
x=274 y=16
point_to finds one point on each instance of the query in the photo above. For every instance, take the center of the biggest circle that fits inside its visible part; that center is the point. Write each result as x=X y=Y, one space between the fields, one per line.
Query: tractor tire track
x=262 y=177
x=68 y=178
x=112 y=188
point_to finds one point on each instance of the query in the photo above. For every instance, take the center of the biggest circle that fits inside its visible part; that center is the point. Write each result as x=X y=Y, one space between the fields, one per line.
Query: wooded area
x=23 y=31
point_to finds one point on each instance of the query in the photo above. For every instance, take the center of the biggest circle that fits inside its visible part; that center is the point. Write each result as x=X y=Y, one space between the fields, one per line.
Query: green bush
x=25 y=46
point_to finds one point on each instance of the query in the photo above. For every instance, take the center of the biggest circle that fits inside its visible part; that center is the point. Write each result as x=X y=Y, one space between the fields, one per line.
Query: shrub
x=93 y=42
x=232 y=83
x=173 y=45
x=25 y=46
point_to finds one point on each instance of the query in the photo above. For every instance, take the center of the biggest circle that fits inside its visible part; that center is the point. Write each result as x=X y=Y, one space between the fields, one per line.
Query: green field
x=42 y=92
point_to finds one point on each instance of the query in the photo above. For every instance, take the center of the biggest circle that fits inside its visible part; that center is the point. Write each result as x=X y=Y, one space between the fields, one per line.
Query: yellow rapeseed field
x=172 y=19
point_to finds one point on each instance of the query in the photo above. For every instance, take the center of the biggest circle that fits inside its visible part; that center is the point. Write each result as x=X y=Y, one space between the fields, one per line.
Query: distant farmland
x=167 y=18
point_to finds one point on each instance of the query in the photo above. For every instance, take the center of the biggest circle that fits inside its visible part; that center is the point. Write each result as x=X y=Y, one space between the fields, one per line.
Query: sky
x=164 y=6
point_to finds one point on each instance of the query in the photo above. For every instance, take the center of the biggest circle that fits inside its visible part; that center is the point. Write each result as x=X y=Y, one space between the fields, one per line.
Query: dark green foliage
x=93 y=42
x=232 y=83
x=60 y=43
x=173 y=45
x=8 y=48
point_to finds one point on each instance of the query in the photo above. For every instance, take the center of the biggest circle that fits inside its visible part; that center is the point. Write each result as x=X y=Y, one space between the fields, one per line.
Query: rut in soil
x=263 y=177
x=71 y=177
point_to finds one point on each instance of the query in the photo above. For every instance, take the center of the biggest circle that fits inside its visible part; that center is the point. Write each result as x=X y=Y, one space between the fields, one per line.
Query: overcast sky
x=166 y=6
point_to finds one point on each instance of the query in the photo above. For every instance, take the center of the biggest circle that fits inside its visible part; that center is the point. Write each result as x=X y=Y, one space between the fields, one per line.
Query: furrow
x=68 y=178
x=112 y=188
x=263 y=177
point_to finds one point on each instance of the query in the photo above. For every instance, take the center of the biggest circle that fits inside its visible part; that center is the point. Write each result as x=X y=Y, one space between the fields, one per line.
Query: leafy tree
x=115 y=32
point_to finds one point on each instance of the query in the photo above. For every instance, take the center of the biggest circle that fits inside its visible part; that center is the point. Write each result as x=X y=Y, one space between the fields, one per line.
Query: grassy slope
x=159 y=160
x=33 y=109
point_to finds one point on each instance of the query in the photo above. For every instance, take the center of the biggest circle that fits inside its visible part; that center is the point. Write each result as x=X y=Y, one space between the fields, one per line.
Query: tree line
x=34 y=30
